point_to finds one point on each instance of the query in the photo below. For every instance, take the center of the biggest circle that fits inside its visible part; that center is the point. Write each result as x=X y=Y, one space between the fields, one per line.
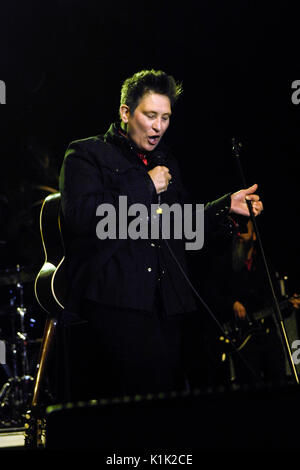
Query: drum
x=21 y=321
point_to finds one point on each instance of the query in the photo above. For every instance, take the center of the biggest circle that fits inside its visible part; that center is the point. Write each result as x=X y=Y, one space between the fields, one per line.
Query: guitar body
x=239 y=333
x=50 y=282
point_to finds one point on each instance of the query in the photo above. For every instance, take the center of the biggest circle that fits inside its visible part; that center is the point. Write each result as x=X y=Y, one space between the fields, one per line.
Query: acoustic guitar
x=49 y=290
x=50 y=282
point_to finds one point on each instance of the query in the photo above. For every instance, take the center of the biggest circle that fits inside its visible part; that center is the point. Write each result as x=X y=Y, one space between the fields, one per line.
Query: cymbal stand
x=15 y=393
x=21 y=334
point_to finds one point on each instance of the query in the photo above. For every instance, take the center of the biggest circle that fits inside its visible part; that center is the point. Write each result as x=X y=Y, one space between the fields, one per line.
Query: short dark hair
x=145 y=81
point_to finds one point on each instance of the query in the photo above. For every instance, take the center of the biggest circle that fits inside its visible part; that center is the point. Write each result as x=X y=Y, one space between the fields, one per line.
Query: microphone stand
x=160 y=160
x=236 y=146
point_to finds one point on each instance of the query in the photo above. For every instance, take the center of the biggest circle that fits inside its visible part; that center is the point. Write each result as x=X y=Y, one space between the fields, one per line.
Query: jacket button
x=149 y=269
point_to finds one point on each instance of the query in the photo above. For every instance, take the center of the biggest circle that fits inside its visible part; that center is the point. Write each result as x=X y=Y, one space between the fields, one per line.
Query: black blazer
x=122 y=272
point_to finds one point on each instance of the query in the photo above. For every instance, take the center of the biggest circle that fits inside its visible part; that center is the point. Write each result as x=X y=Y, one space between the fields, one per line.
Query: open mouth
x=153 y=139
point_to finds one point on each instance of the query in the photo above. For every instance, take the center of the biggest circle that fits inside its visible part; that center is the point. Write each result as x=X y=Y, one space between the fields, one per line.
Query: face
x=149 y=121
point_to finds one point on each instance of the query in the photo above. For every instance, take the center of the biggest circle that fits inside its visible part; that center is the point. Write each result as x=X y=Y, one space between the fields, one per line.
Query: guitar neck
x=267 y=312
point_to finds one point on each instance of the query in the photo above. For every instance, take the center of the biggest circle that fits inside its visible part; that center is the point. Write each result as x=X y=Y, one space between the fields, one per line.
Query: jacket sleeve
x=82 y=189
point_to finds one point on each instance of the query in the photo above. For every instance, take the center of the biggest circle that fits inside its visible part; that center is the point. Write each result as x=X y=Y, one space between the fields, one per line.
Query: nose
x=156 y=125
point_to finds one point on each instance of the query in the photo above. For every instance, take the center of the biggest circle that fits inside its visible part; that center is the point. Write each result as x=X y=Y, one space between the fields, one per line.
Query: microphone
x=159 y=159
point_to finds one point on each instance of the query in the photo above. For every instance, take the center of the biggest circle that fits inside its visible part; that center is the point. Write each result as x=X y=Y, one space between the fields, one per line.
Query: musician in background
x=245 y=299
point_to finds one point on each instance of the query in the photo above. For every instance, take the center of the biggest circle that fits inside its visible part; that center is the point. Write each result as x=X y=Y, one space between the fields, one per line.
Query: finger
x=257 y=205
x=252 y=197
x=241 y=314
x=251 y=189
x=241 y=311
x=256 y=211
x=295 y=304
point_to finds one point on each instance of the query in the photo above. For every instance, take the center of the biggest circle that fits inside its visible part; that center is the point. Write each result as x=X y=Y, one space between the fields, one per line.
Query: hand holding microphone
x=161 y=177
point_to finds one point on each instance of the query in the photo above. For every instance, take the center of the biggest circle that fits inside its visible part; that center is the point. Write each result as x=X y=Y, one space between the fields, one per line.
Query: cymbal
x=19 y=274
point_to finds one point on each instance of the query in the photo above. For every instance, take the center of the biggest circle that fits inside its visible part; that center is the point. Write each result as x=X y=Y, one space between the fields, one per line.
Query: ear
x=124 y=113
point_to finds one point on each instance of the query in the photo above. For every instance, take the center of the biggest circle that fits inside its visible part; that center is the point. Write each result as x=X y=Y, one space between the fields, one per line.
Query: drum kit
x=21 y=257
x=21 y=322
x=20 y=338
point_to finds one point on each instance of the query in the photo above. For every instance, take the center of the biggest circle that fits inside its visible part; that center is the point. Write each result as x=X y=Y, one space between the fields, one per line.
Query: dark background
x=64 y=61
